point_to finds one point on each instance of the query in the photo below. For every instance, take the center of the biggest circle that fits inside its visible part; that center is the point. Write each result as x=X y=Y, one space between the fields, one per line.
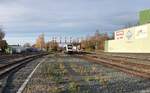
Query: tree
x=40 y=42
x=52 y=46
x=3 y=43
x=112 y=36
x=97 y=41
x=27 y=45
x=2 y=34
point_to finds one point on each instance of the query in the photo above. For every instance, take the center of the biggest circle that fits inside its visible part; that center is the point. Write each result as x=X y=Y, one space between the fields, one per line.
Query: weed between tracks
x=63 y=75
x=54 y=77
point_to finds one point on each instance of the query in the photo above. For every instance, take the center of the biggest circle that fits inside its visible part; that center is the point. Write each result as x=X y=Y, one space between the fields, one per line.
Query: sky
x=24 y=20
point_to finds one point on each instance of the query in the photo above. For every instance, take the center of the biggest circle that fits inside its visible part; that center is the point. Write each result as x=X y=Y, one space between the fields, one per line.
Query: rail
x=6 y=69
x=129 y=69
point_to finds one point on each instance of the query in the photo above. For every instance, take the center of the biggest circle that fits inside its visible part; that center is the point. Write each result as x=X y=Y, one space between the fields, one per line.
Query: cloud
x=27 y=18
x=11 y=13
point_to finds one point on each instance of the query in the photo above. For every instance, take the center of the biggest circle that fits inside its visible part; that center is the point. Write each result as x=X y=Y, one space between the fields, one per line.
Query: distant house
x=15 y=49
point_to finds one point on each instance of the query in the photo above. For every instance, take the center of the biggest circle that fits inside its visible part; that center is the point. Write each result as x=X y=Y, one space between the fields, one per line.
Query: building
x=144 y=16
x=15 y=49
x=134 y=39
x=130 y=40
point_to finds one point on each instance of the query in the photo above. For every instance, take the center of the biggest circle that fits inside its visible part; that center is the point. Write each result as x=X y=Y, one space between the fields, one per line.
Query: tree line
x=91 y=43
x=95 y=42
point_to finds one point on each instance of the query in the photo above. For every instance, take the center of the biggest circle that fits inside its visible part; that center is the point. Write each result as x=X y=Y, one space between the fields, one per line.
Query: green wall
x=144 y=16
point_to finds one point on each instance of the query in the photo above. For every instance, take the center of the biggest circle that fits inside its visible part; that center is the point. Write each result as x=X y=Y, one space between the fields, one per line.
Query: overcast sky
x=24 y=20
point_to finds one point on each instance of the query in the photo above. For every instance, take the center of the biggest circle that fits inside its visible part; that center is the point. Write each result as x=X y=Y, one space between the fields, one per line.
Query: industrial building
x=132 y=40
x=15 y=49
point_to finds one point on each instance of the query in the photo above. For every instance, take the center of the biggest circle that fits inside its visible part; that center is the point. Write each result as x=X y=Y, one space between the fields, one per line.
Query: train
x=15 y=49
x=18 y=49
x=70 y=49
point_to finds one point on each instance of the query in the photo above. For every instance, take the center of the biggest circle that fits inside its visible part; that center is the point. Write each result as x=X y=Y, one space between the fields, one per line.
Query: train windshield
x=70 y=46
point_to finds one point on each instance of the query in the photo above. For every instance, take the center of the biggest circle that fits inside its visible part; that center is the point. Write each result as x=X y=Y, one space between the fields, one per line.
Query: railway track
x=6 y=69
x=141 y=57
x=135 y=69
x=122 y=61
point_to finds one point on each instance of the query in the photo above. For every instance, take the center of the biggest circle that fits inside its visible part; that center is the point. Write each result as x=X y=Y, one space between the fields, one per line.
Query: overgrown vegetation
x=3 y=43
x=58 y=79
x=95 y=42
x=71 y=75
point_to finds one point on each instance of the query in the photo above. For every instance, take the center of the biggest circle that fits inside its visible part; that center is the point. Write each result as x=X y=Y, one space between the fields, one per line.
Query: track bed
x=68 y=74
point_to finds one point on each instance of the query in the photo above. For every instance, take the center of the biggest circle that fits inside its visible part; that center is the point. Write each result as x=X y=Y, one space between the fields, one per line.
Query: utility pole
x=77 y=40
x=60 y=40
x=70 y=39
x=65 y=40
x=55 y=39
x=96 y=37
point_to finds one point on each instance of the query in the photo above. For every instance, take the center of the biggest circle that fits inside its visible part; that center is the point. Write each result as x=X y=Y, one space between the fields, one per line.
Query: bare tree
x=2 y=34
x=3 y=43
x=27 y=45
x=52 y=46
x=95 y=42
x=40 y=42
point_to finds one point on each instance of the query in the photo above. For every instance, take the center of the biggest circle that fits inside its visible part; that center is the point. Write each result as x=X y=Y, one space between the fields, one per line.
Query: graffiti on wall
x=141 y=32
x=119 y=35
